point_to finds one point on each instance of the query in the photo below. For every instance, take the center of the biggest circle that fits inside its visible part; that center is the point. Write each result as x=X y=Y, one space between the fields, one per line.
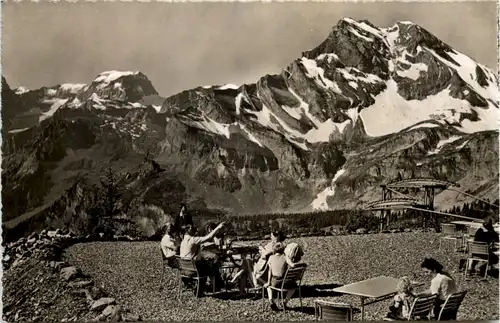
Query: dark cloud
x=183 y=45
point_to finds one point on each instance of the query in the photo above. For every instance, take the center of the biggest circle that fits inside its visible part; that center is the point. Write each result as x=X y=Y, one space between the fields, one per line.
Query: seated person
x=190 y=249
x=485 y=234
x=170 y=244
x=260 y=268
x=442 y=284
x=278 y=264
x=403 y=300
x=294 y=252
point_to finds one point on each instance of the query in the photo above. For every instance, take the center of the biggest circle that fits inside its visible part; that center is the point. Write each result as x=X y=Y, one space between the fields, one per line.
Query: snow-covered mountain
x=367 y=105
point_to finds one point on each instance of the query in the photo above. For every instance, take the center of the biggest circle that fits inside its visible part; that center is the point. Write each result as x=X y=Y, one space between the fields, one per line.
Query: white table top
x=371 y=288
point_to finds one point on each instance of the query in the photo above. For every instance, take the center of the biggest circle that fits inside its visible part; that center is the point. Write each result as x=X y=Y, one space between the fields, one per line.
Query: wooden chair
x=451 y=233
x=449 y=309
x=292 y=276
x=478 y=249
x=330 y=311
x=189 y=271
x=420 y=309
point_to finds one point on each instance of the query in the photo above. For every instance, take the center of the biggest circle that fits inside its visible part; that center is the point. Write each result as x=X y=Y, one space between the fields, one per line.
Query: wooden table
x=378 y=288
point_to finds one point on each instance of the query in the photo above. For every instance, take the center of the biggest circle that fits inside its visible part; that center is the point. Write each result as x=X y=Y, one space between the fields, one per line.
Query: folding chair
x=451 y=233
x=188 y=269
x=330 y=311
x=421 y=308
x=478 y=249
x=293 y=276
x=449 y=309
x=468 y=236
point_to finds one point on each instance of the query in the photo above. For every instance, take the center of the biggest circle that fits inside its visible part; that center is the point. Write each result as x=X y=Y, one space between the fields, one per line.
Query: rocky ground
x=39 y=287
x=131 y=273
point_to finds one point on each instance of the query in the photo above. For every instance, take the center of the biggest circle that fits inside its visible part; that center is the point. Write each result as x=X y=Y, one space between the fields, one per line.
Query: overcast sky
x=183 y=45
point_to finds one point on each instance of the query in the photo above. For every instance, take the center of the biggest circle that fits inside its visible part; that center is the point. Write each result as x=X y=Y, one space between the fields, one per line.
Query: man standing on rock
x=182 y=220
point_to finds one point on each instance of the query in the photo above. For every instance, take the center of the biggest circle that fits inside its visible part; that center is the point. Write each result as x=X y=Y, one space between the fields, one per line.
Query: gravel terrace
x=131 y=272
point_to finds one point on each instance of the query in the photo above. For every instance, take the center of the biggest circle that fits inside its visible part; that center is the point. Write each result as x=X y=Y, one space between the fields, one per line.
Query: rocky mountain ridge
x=366 y=106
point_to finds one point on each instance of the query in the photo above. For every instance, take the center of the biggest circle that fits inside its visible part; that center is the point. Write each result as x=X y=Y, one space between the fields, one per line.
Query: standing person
x=183 y=219
x=170 y=244
x=442 y=284
x=191 y=249
x=486 y=233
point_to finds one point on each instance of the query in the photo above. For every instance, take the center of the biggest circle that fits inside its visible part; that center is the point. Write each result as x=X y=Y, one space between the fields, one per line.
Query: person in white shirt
x=442 y=284
x=170 y=244
x=191 y=249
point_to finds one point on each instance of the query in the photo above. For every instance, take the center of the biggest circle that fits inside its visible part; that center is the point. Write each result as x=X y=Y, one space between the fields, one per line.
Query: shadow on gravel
x=308 y=291
x=324 y=290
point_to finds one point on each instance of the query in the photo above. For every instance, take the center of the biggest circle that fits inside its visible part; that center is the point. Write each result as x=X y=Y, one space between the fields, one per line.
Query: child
x=278 y=264
x=400 y=309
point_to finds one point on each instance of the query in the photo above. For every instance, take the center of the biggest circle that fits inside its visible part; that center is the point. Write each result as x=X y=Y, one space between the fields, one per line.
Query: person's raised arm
x=211 y=235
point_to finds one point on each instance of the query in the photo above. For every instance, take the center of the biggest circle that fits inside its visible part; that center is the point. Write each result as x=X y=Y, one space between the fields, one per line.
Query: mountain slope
x=365 y=106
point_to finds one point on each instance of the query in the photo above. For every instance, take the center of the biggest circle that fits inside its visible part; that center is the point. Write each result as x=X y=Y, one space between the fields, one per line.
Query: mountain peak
x=108 y=77
x=129 y=86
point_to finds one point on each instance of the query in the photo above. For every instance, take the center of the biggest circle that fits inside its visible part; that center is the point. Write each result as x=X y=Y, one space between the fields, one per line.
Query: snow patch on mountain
x=53 y=108
x=13 y=131
x=423 y=125
x=443 y=143
x=462 y=145
x=318 y=74
x=229 y=86
x=391 y=36
x=20 y=90
x=467 y=71
x=72 y=88
x=105 y=78
x=98 y=102
x=367 y=78
x=359 y=35
x=137 y=105
x=392 y=113
x=292 y=112
x=237 y=102
x=325 y=129
x=328 y=56
x=414 y=70
x=251 y=136
x=320 y=202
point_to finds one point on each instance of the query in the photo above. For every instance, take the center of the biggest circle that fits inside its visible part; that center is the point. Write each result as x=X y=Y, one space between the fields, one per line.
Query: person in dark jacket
x=486 y=234
x=182 y=220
